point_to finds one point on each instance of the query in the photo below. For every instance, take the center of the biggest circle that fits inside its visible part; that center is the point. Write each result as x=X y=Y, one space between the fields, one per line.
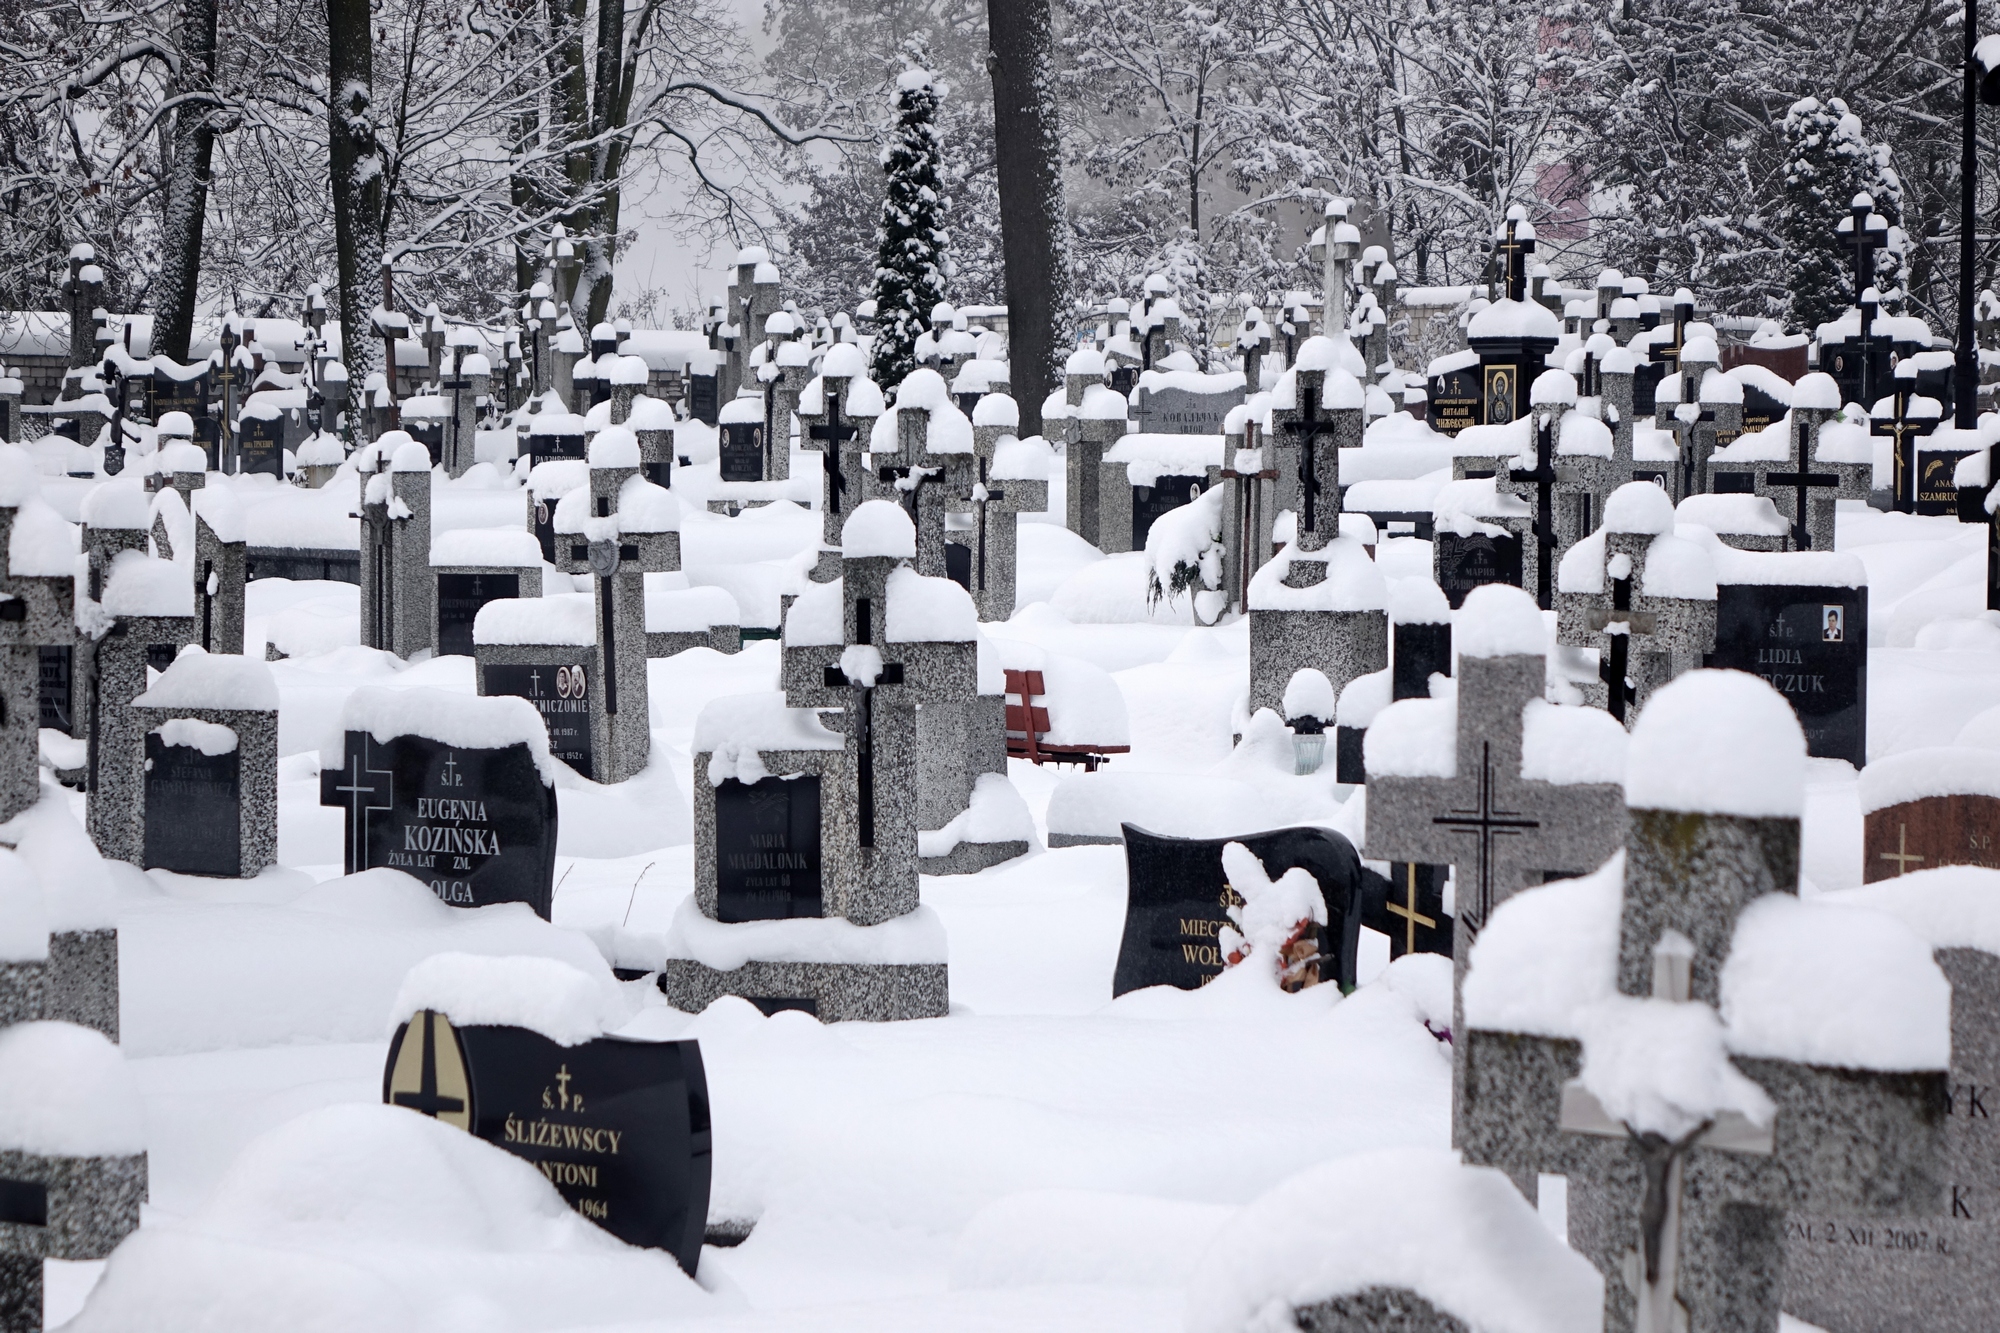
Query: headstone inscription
x=560 y=693
x=1455 y=398
x=260 y=443
x=476 y=822
x=620 y=1128
x=57 y=677
x=767 y=848
x=1166 y=494
x=741 y=446
x=1174 y=410
x=1935 y=806
x=1811 y=645
x=1474 y=560
x=1178 y=896
x=194 y=781
x=459 y=597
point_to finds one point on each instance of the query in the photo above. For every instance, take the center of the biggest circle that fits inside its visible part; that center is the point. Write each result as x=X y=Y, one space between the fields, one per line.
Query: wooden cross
x=1543 y=477
x=1485 y=824
x=1408 y=911
x=1801 y=480
x=1902 y=856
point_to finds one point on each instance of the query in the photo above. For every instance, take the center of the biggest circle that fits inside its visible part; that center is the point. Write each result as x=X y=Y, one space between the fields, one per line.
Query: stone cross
x=1000 y=493
x=841 y=440
x=1339 y=246
x=1309 y=444
x=1249 y=506
x=398 y=606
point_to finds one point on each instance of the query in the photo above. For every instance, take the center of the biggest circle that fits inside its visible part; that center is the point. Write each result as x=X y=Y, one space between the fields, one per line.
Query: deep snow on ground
x=1042 y=1159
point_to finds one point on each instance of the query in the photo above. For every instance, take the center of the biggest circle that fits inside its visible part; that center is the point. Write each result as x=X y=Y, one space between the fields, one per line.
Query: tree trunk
x=1034 y=225
x=187 y=184
x=356 y=180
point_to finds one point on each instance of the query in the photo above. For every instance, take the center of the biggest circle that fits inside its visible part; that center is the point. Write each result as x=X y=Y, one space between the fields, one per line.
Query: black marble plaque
x=742 y=451
x=478 y=826
x=260 y=446
x=1843 y=361
x=1465 y=563
x=160 y=656
x=1455 y=401
x=194 y=813
x=1760 y=409
x=1411 y=913
x=56 y=665
x=958 y=564
x=1348 y=762
x=620 y=1128
x=1124 y=379
x=767 y=849
x=542 y=448
x=1811 y=644
x=1167 y=493
x=1732 y=483
x=561 y=694
x=1422 y=651
x=701 y=398
x=275 y=563
x=1937 y=493
x=1646 y=386
x=429 y=432
x=1177 y=898
x=459 y=597
x=165 y=394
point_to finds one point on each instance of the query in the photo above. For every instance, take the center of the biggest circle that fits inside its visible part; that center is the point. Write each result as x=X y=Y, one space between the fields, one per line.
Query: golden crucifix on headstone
x=1408 y=911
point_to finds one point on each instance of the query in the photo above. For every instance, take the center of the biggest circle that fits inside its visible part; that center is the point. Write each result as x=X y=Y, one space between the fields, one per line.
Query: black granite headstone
x=1167 y=493
x=478 y=826
x=429 y=432
x=1732 y=483
x=459 y=597
x=1412 y=912
x=1455 y=401
x=542 y=448
x=1811 y=645
x=56 y=664
x=767 y=849
x=742 y=451
x=561 y=694
x=620 y=1128
x=1124 y=379
x=701 y=398
x=1937 y=492
x=1646 y=386
x=194 y=815
x=269 y=562
x=1760 y=409
x=1465 y=563
x=260 y=446
x=165 y=394
x=160 y=656
x=545 y=528
x=1177 y=897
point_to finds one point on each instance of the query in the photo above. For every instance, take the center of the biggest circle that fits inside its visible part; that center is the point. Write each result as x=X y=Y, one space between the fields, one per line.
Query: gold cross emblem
x=1902 y=856
x=1412 y=917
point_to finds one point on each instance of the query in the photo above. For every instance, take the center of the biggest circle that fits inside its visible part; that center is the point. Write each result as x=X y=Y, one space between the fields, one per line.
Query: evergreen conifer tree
x=911 y=263
x=1827 y=163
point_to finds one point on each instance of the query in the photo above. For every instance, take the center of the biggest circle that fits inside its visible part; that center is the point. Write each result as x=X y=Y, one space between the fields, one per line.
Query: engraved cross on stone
x=363 y=789
x=1306 y=428
x=1800 y=480
x=1542 y=477
x=831 y=434
x=837 y=676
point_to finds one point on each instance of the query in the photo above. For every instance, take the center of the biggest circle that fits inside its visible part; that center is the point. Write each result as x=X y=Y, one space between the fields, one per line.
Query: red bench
x=1028 y=724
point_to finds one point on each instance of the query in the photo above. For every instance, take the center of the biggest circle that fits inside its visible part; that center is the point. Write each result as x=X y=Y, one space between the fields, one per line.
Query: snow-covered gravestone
x=1321 y=601
x=515 y=1052
x=838 y=411
x=1096 y=418
x=1930 y=807
x=1694 y=1049
x=1185 y=402
x=1641 y=597
x=548 y=483
x=555 y=435
x=1804 y=466
x=652 y=421
x=37 y=626
x=396 y=583
x=1800 y=621
x=740 y=443
x=1420 y=648
x=795 y=820
x=1939 y=1273
x=544 y=650
x=921 y=454
x=1013 y=479
x=1495 y=780
x=474 y=566
x=623 y=527
x=220 y=566
x=72 y=1158
x=138 y=611
x=1249 y=506
x=210 y=796
x=455 y=790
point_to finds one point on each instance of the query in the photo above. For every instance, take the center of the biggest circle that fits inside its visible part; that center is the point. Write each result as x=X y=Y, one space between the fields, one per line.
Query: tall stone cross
x=1315 y=473
x=1500 y=830
x=1541 y=478
x=1809 y=531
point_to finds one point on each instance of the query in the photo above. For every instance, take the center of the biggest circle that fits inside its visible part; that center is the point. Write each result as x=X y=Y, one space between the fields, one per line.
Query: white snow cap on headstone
x=1818 y=390
x=1663 y=1068
x=1084 y=361
x=879 y=528
x=1717 y=742
x=1553 y=387
x=545 y=995
x=65 y=1092
x=844 y=360
x=1309 y=694
x=177 y=424
x=614 y=446
x=1639 y=506
x=118 y=504
x=629 y=370
x=200 y=679
x=1498 y=620
x=996 y=409
x=20 y=480
x=1418 y=600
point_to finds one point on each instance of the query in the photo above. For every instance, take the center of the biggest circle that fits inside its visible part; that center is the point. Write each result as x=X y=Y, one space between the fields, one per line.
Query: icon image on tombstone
x=1499 y=396
x=1832 y=625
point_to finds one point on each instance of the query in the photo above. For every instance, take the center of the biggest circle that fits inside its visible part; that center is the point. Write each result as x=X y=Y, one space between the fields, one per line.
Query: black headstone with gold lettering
x=478 y=826
x=1178 y=896
x=620 y=1128
x=1811 y=645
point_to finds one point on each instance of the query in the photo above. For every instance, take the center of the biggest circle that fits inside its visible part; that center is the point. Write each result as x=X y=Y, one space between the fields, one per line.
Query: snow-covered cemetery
x=1075 y=666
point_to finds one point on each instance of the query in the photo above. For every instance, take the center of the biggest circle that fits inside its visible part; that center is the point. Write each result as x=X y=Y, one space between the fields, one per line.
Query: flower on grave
x=1278 y=922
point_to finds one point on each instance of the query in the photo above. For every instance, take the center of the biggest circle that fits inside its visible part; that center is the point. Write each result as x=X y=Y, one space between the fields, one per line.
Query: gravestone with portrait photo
x=1471 y=560
x=457 y=791
x=740 y=442
x=560 y=692
x=619 y=1127
x=1799 y=620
